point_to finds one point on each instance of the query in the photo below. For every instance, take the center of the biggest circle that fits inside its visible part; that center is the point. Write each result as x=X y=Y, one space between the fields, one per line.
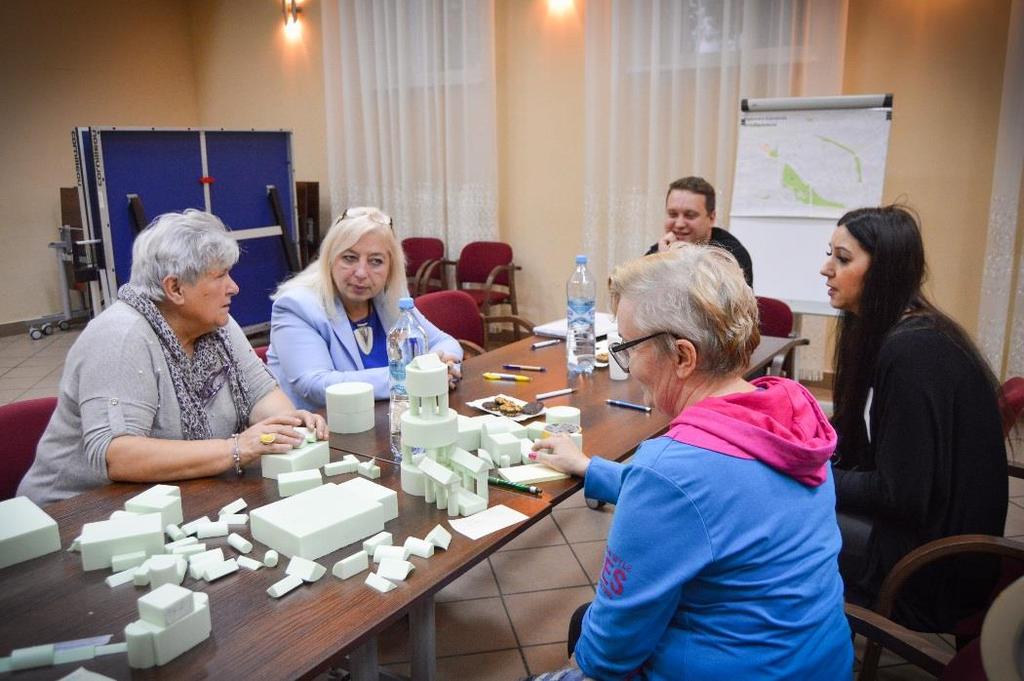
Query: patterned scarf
x=196 y=379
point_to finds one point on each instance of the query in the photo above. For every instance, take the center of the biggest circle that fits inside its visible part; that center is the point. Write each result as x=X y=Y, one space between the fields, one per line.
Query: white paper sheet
x=531 y=473
x=485 y=522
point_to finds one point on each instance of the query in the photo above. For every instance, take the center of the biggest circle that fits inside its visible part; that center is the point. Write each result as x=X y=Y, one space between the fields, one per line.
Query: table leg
x=422 y=640
x=363 y=665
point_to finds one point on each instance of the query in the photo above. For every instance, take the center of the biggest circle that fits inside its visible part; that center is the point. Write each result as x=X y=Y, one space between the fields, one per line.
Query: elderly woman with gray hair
x=721 y=556
x=163 y=385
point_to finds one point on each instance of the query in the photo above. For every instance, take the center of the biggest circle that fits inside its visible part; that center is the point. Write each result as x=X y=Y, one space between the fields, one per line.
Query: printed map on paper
x=809 y=163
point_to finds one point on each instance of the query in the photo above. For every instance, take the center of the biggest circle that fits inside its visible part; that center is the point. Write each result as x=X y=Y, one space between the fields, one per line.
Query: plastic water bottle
x=579 y=339
x=406 y=340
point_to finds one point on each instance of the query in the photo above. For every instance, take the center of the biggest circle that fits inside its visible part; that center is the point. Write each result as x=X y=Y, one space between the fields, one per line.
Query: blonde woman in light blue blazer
x=329 y=323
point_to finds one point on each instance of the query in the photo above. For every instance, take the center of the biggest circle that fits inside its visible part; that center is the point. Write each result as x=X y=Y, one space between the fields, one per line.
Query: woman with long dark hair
x=921 y=453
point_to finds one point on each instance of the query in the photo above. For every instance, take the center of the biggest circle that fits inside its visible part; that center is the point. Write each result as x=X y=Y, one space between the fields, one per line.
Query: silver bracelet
x=236 y=454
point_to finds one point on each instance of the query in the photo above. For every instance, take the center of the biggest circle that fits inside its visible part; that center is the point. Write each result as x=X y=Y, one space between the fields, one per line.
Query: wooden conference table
x=311 y=629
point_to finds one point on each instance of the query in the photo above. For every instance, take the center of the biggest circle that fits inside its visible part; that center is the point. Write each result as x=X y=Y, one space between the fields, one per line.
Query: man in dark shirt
x=690 y=217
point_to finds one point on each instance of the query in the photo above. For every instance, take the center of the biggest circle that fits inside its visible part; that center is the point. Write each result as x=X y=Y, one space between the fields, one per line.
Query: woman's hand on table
x=454 y=368
x=277 y=434
x=559 y=452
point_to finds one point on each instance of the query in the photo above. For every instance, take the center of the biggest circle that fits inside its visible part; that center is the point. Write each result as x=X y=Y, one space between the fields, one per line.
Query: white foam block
x=368 y=469
x=308 y=570
x=32 y=657
x=419 y=547
x=290 y=484
x=366 y=489
x=310 y=456
x=162 y=499
x=239 y=543
x=379 y=539
x=248 y=563
x=347 y=464
x=439 y=537
x=184 y=541
x=193 y=526
x=353 y=565
x=119 y=578
x=165 y=605
x=123 y=561
x=469 y=433
x=122 y=514
x=280 y=588
x=377 y=582
x=214 y=571
x=233 y=518
x=563 y=414
x=394 y=569
x=165 y=569
x=150 y=645
x=26 y=531
x=318 y=521
x=470 y=503
x=234 y=507
x=207 y=530
x=83 y=674
x=270 y=559
x=349 y=397
x=383 y=551
x=102 y=540
x=189 y=550
x=350 y=422
x=174 y=532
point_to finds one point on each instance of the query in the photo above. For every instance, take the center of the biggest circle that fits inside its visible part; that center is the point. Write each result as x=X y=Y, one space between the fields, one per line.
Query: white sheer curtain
x=664 y=80
x=411 y=123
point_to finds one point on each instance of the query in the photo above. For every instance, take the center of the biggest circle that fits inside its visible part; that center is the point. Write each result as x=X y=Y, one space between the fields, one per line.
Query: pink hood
x=780 y=425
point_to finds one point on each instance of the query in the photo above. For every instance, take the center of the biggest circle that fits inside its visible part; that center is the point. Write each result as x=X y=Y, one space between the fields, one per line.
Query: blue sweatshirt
x=722 y=565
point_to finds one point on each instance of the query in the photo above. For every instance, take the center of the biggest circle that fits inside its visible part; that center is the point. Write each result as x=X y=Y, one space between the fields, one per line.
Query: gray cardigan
x=116 y=382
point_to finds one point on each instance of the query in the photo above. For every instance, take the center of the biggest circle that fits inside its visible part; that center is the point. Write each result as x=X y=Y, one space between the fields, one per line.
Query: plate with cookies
x=513 y=408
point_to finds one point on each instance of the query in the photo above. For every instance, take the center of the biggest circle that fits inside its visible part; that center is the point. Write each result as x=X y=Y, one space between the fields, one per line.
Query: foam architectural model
x=162 y=499
x=103 y=540
x=347 y=464
x=318 y=521
x=289 y=484
x=26 y=531
x=350 y=407
x=172 y=620
x=430 y=436
x=307 y=456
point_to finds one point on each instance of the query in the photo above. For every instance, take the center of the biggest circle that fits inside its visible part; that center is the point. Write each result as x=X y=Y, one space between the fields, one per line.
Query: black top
x=723 y=239
x=939 y=469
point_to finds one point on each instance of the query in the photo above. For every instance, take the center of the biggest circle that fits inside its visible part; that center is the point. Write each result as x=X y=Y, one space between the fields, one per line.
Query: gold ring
x=268 y=438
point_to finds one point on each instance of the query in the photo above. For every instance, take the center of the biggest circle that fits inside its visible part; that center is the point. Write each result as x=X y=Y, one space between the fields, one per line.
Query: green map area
x=803 y=192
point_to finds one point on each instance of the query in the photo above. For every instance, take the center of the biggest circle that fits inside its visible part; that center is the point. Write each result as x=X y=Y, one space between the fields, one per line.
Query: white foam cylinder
x=350 y=422
x=350 y=397
x=563 y=414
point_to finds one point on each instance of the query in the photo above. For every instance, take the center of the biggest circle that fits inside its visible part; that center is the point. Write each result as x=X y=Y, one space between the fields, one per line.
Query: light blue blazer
x=308 y=351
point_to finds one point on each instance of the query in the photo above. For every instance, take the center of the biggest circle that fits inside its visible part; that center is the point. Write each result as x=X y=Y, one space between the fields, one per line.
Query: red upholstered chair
x=261 y=352
x=424 y=264
x=776 y=319
x=456 y=313
x=484 y=265
x=22 y=424
x=1011 y=402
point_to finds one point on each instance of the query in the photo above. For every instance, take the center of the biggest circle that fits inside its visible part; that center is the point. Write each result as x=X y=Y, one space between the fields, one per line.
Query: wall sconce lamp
x=291 y=9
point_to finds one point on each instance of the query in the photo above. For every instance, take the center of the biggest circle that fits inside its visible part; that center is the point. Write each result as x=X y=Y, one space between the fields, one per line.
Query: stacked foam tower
x=433 y=466
x=350 y=407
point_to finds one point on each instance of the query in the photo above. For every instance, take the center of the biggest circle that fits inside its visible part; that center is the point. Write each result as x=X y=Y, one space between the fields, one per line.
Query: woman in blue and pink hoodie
x=721 y=558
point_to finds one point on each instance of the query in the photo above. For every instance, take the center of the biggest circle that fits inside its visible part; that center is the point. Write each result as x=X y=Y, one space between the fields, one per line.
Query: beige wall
x=540 y=147
x=65 y=63
x=944 y=63
x=248 y=75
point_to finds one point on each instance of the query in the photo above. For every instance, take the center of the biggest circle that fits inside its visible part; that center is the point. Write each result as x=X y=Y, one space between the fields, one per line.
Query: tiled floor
x=507 y=616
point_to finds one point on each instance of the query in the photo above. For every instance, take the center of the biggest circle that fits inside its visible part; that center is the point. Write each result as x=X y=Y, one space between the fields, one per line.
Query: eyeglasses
x=366 y=211
x=620 y=352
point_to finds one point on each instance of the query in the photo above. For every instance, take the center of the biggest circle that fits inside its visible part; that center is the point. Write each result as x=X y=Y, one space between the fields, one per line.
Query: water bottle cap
x=581 y=260
x=405 y=303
